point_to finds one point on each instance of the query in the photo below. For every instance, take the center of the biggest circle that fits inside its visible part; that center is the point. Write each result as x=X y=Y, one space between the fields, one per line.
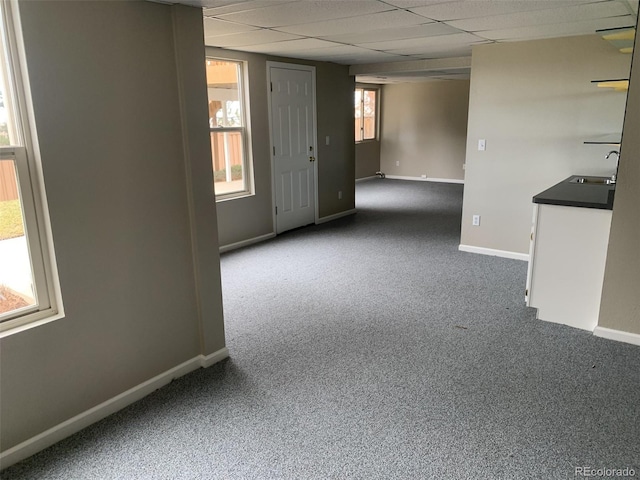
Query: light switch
x=326 y=140
x=482 y=145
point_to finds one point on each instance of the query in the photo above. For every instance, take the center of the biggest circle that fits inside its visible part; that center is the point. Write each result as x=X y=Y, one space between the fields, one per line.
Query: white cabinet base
x=568 y=255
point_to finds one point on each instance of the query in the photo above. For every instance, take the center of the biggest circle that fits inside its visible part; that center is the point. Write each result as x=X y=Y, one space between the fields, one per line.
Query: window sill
x=369 y=140
x=29 y=321
x=233 y=196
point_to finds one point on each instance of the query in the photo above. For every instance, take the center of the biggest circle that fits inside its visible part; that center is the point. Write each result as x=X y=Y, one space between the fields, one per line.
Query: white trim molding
x=425 y=179
x=366 y=178
x=207 y=360
x=402 y=177
x=245 y=243
x=335 y=216
x=75 y=424
x=617 y=335
x=445 y=180
x=494 y=253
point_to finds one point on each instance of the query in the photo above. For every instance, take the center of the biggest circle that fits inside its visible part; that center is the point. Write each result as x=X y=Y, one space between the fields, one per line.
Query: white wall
x=120 y=104
x=534 y=104
x=424 y=127
x=620 y=307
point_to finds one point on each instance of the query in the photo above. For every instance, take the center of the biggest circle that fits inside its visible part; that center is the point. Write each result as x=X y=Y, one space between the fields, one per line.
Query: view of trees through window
x=365 y=114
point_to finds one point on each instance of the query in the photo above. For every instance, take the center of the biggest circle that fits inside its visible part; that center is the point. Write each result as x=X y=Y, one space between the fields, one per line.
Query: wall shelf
x=621 y=38
x=609 y=139
x=618 y=84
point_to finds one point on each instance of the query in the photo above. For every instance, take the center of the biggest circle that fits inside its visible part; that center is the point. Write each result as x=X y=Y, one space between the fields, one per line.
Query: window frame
x=376 y=128
x=247 y=158
x=28 y=166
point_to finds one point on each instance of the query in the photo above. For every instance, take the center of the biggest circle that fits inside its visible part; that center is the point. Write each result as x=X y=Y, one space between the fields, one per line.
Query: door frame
x=308 y=68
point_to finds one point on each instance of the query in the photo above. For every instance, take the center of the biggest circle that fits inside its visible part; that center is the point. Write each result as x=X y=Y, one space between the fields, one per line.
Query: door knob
x=312 y=159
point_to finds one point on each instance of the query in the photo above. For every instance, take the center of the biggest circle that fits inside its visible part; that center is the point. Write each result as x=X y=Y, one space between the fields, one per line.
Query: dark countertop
x=586 y=195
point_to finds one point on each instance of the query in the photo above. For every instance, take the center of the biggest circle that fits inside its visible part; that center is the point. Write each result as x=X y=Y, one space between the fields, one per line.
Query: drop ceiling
x=424 y=36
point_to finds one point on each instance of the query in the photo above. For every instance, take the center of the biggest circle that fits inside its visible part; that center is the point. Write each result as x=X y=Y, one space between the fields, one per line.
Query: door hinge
x=271 y=86
x=276 y=210
x=274 y=150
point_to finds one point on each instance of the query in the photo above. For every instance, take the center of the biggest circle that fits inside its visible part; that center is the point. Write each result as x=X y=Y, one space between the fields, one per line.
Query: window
x=227 y=123
x=366 y=114
x=25 y=284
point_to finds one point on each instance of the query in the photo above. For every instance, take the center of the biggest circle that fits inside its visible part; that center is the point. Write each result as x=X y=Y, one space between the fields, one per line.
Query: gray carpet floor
x=371 y=348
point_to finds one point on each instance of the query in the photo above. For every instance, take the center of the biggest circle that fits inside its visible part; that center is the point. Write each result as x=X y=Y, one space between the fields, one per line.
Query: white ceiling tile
x=437 y=41
x=542 y=17
x=415 y=77
x=254 y=37
x=397 y=33
x=378 y=57
x=341 y=50
x=230 y=6
x=305 y=12
x=378 y=31
x=557 y=29
x=288 y=46
x=434 y=52
x=363 y=23
x=415 y=3
x=472 y=9
x=461 y=51
x=214 y=27
x=322 y=55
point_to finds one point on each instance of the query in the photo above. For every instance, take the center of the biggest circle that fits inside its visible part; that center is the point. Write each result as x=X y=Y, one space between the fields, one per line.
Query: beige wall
x=620 y=305
x=251 y=217
x=424 y=127
x=534 y=105
x=367 y=158
x=120 y=106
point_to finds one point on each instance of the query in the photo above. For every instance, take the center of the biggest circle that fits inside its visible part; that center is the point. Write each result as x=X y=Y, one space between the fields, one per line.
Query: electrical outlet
x=339 y=194
x=397 y=163
x=476 y=220
x=424 y=175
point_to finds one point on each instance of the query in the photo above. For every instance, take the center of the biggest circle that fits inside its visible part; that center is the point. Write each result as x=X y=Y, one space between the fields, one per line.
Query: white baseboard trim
x=335 y=216
x=427 y=179
x=245 y=243
x=365 y=178
x=207 y=360
x=445 y=180
x=618 y=335
x=73 y=425
x=494 y=253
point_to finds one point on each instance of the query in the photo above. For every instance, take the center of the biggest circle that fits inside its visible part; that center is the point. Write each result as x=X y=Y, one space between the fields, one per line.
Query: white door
x=293 y=146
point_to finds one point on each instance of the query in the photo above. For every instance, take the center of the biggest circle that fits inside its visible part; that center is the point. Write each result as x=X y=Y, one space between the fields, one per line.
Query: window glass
x=24 y=277
x=358 y=114
x=369 y=114
x=8 y=124
x=227 y=125
x=365 y=114
x=16 y=279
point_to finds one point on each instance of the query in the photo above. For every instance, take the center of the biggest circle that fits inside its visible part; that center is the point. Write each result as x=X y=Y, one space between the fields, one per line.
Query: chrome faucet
x=614 y=177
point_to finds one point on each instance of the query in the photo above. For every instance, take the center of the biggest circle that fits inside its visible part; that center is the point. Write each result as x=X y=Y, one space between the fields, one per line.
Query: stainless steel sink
x=592 y=180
